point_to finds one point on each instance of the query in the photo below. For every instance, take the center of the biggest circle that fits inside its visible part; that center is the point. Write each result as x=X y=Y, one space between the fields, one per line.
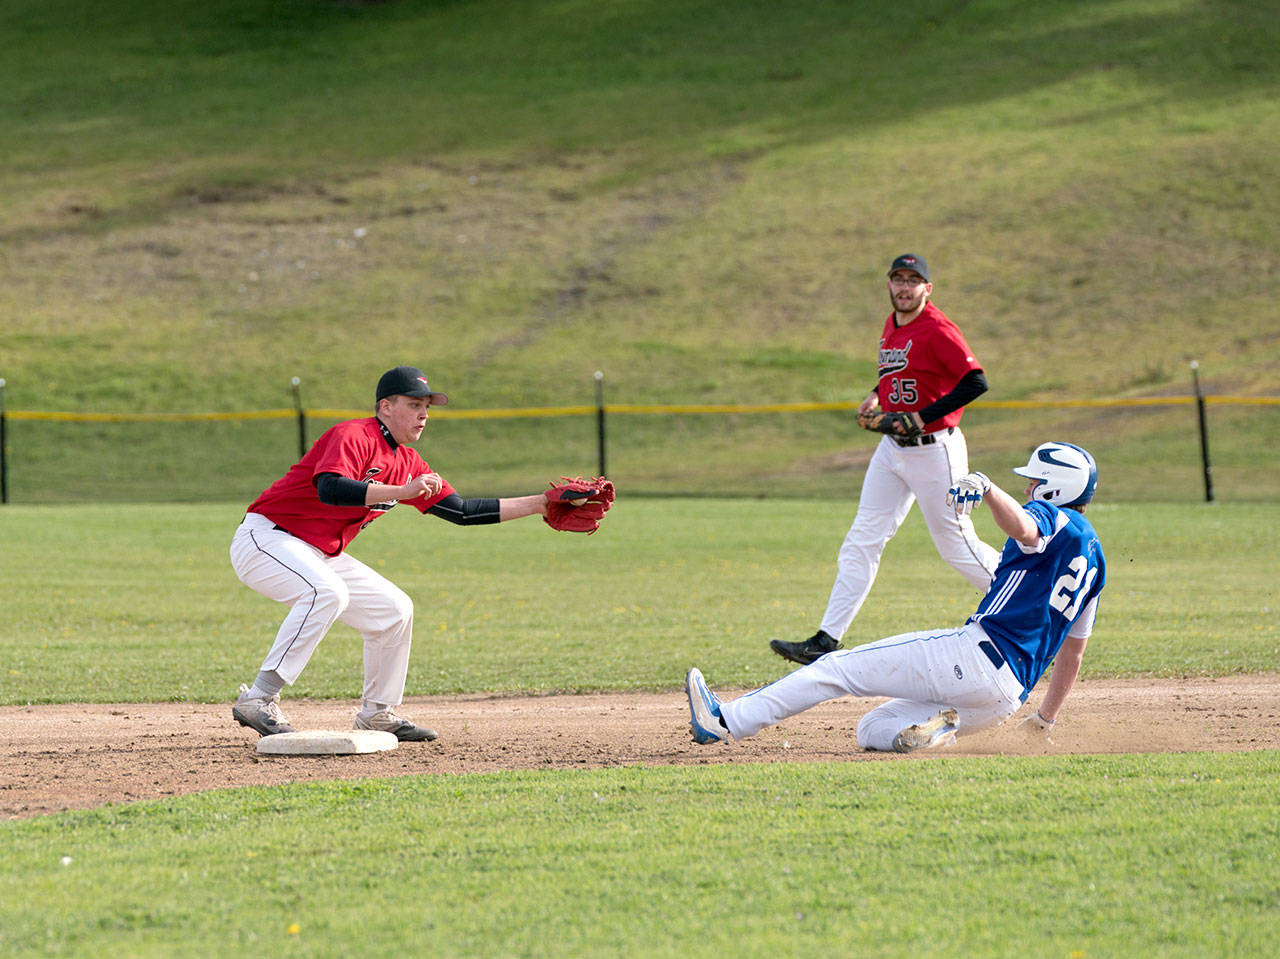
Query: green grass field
x=100 y=596
x=1171 y=856
x=1145 y=455
x=1084 y=856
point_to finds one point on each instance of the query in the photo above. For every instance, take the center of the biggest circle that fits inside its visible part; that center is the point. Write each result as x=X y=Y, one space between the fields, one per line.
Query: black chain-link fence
x=1147 y=449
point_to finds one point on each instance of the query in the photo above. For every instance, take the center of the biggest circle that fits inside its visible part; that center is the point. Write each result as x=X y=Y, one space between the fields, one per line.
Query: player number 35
x=1070 y=590
x=902 y=391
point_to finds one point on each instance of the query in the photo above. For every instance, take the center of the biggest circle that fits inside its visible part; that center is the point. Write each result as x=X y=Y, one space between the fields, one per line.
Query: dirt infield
x=64 y=757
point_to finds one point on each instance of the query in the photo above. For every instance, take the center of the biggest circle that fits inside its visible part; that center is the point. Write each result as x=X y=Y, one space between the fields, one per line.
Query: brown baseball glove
x=893 y=424
x=577 y=505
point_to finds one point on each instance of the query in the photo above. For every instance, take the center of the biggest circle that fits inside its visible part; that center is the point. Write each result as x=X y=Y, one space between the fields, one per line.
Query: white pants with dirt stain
x=925 y=672
x=321 y=590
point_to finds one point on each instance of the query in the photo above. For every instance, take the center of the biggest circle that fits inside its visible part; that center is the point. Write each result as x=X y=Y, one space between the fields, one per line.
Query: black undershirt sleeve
x=972 y=385
x=476 y=511
x=334 y=489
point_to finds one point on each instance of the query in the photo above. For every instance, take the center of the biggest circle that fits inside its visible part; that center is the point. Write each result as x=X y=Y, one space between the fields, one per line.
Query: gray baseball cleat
x=388 y=722
x=805 y=652
x=938 y=731
x=262 y=715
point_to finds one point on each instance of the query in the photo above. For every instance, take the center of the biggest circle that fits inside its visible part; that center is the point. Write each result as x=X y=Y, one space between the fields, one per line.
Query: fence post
x=296 y=384
x=1204 y=434
x=600 y=436
x=4 y=457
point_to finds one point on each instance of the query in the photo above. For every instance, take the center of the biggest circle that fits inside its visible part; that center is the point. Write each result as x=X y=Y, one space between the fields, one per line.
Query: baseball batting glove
x=891 y=424
x=1036 y=726
x=577 y=504
x=967 y=494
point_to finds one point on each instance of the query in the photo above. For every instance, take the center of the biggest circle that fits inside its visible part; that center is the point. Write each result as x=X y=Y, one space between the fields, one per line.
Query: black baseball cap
x=909 y=261
x=408 y=381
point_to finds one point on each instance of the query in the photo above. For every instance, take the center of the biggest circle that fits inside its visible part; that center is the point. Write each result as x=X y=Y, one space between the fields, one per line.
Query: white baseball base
x=327 y=742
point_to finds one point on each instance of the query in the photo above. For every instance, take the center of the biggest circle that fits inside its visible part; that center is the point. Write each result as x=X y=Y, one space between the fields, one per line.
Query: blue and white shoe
x=940 y=730
x=704 y=711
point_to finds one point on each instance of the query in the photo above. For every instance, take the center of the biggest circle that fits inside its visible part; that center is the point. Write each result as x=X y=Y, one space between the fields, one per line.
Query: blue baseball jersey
x=1038 y=595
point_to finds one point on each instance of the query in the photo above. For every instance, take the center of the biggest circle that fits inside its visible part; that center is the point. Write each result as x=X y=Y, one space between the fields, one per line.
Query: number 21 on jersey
x=1071 y=588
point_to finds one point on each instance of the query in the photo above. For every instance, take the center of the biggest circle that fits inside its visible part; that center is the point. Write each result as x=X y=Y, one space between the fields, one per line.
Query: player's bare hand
x=427 y=484
x=872 y=402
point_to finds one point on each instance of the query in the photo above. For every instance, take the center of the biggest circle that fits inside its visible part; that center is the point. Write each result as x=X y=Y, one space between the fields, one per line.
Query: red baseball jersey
x=359 y=450
x=920 y=362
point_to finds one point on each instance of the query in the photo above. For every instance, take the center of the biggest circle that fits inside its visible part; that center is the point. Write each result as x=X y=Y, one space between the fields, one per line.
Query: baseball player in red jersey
x=928 y=372
x=291 y=547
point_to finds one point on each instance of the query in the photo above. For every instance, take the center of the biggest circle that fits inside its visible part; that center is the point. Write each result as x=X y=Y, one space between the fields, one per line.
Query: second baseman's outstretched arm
x=513 y=507
x=483 y=511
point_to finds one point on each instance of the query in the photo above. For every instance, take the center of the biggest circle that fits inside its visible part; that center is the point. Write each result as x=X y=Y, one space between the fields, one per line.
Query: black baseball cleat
x=403 y=728
x=819 y=644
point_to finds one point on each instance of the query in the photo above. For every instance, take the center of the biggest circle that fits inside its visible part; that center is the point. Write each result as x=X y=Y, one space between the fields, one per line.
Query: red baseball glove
x=578 y=504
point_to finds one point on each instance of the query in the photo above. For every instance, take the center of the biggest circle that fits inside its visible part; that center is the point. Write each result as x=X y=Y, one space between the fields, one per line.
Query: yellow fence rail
x=616 y=408
x=68 y=417
x=602 y=411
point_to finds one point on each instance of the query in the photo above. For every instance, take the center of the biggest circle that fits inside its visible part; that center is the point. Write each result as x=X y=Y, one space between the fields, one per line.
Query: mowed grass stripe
x=1117 y=855
x=132 y=603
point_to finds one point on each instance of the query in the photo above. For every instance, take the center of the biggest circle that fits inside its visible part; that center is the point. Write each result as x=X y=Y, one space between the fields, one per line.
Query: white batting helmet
x=1068 y=475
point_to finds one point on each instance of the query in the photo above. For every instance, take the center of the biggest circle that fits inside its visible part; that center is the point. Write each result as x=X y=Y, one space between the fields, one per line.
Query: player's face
x=405 y=416
x=908 y=290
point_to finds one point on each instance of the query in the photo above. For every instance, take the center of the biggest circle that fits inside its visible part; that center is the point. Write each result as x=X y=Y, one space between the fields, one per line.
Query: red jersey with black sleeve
x=361 y=450
x=920 y=362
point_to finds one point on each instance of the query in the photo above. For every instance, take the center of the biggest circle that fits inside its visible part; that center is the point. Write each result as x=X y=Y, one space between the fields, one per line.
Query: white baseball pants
x=897 y=477
x=925 y=672
x=322 y=590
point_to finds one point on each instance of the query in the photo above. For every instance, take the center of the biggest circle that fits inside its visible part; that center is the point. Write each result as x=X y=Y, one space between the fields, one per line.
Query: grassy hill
x=198 y=202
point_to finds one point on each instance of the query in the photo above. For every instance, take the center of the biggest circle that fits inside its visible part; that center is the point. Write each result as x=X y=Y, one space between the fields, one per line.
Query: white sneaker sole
x=938 y=731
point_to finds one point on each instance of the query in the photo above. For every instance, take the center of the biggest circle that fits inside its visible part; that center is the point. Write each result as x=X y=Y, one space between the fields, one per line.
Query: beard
x=912 y=303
